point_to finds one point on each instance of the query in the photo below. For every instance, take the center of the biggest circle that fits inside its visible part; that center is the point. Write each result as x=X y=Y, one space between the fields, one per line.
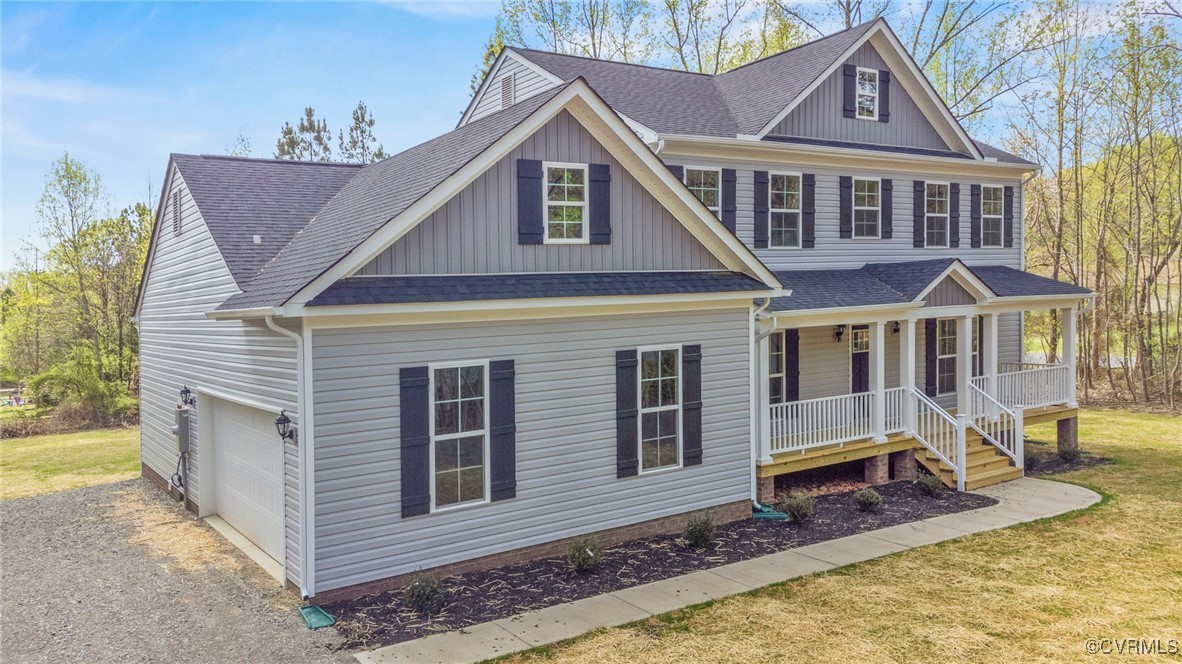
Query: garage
x=248 y=474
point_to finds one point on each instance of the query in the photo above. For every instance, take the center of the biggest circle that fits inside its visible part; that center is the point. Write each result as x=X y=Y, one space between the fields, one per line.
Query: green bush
x=798 y=505
x=930 y=485
x=584 y=555
x=1069 y=454
x=868 y=500
x=699 y=530
x=1034 y=457
x=423 y=593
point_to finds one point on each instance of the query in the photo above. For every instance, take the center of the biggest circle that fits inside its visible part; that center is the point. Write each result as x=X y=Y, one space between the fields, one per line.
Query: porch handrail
x=998 y=425
x=1009 y=367
x=1034 y=388
x=896 y=403
x=799 y=425
x=941 y=433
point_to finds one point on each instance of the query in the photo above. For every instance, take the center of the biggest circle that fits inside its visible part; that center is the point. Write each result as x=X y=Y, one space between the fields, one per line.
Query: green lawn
x=42 y=464
x=1030 y=593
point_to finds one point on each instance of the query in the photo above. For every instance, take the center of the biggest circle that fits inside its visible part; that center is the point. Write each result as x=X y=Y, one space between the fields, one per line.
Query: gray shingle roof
x=909 y=277
x=1008 y=282
x=828 y=289
x=465 y=288
x=375 y=195
x=240 y=198
x=1001 y=155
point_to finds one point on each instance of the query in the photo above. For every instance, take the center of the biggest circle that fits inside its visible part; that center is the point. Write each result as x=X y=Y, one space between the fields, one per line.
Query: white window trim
x=685 y=179
x=771 y=375
x=466 y=434
x=640 y=410
x=799 y=211
x=944 y=357
x=947 y=215
x=877 y=209
x=858 y=93
x=1001 y=241
x=586 y=234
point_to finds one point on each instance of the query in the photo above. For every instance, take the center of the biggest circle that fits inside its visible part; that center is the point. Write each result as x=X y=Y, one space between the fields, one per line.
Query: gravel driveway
x=119 y=573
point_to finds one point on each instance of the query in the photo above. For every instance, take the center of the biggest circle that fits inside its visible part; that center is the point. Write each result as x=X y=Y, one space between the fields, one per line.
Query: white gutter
x=753 y=386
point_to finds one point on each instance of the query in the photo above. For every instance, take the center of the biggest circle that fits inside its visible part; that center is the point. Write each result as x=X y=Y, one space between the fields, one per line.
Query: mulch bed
x=1046 y=461
x=478 y=597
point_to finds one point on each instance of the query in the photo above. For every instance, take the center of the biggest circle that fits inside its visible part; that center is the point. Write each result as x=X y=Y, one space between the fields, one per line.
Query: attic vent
x=508 y=84
x=176 y=213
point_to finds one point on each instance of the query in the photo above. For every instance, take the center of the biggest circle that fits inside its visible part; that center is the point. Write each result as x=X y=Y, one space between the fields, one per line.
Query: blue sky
x=122 y=85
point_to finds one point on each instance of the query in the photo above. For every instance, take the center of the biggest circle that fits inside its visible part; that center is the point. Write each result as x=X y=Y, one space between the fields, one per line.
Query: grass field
x=1030 y=593
x=41 y=464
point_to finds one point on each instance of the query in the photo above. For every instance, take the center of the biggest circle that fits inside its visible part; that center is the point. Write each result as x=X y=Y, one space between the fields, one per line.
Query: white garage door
x=248 y=474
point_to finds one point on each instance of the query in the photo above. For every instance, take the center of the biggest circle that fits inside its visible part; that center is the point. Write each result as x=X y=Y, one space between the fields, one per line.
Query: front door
x=859 y=359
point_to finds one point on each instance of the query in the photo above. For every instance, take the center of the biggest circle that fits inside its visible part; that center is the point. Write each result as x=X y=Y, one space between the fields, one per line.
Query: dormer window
x=867 y=94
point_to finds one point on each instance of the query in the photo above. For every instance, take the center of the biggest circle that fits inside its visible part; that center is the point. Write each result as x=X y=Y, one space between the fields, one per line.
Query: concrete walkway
x=1021 y=500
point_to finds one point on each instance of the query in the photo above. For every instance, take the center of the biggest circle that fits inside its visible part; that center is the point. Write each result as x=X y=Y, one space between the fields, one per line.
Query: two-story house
x=612 y=296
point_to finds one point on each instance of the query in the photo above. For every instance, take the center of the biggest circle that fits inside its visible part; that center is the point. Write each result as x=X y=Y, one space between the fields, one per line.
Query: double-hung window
x=784 y=210
x=660 y=408
x=946 y=356
x=459 y=434
x=706 y=183
x=936 y=227
x=991 y=215
x=566 y=203
x=776 y=367
x=867 y=94
x=866 y=208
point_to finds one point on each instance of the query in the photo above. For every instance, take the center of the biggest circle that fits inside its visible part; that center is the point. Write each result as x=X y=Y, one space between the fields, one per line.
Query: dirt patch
x=478 y=597
x=1043 y=461
x=174 y=540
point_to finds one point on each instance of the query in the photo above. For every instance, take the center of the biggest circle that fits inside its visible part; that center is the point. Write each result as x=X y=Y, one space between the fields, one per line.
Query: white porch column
x=1067 y=319
x=964 y=361
x=907 y=372
x=763 y=400
x=988 y=343
x=878 y=379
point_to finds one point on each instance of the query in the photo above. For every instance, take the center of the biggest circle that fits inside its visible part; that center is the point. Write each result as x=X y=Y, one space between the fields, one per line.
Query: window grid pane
x=784 y=210
x=566 y=202
x=459 y=435
x=705 y=185
x=660 y=408
x=867 y=106
x=991 y=216
x=936 y=205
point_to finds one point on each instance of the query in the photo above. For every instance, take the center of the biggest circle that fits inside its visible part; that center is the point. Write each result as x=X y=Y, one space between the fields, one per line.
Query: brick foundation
x=665 y=526
x=903 y=465
x=1067 y=437
x=877 y=469
x=765 y=489
x=164 y=485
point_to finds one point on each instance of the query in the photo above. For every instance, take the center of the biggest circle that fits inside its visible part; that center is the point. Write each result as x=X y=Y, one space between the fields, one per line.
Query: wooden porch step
x=972 y=483
x=984 y=465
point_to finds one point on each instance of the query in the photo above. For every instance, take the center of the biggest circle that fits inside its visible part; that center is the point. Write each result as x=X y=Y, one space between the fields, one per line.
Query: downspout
x=306 y=549
x=753 y=362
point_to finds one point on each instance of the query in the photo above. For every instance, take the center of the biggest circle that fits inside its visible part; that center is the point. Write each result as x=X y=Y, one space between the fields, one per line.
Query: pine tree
x=359 y=145
x=310 y=140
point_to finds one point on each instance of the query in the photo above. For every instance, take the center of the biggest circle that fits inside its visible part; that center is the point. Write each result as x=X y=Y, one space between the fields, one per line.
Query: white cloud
x=26 y=85
x=444 y=10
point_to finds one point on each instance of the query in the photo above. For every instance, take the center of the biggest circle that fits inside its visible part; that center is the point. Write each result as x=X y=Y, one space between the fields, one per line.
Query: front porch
x=936 y=377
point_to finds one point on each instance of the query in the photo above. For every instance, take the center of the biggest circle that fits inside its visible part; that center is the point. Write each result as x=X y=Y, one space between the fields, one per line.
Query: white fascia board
x=774 y=152
x=506 y=53
x=844 y=315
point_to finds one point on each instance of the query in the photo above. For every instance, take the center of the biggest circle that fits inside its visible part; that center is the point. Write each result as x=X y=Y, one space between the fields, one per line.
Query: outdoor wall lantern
x=895 y=328
x=283 y=426
x=838 y=333
x=187 y=398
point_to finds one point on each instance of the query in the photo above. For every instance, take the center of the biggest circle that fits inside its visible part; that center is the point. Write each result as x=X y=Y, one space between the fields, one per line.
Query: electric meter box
x=181 y=429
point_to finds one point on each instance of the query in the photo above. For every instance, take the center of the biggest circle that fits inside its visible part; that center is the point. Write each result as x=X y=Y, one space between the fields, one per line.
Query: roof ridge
x=613 y=62
x=270 y=160
x=800 y=46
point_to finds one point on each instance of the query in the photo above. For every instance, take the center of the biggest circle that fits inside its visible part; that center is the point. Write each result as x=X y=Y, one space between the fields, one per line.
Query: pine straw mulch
x=477 y=597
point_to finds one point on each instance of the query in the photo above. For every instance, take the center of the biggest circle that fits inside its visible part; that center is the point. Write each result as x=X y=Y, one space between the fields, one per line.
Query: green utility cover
x=315 y=617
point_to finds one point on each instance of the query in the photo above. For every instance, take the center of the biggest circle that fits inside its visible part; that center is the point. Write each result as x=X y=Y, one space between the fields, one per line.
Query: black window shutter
x=917 y=210
x=502 y=422
x=845 y=210
x=975 y=216
x=884 y=95
x=530 y=228
x=627 y=462
x=1008 y=212
x=414 y=434
x=792 y=365
x=931 y=387
x=887 y=189
x=677 y=171
x=728 y=208
x=691 y=407
x=600 y=203
x=808 y=211
x=761 y=208
x=849 y=94
x=954 y=215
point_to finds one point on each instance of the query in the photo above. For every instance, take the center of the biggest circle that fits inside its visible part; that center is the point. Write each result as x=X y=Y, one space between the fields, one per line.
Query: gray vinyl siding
x=476 y=231
x=833 y=252
x=180 y=346
x=566 y=446
x=526 y=83
x=1009 y=349
x=948 y=293
x=820 y=114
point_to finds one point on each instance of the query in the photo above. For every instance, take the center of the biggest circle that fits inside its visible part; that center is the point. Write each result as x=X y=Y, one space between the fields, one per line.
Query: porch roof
x=880 y=284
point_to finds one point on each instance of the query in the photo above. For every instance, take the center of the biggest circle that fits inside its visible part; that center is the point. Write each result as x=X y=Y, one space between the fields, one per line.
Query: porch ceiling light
x=284 y=427
x=187 y=398
x=838 y=333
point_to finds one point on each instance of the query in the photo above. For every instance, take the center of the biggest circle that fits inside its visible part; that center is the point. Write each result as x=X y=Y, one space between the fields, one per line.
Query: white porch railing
x=799 y=425
x=998 y=425
x=939 y=432
x=896 y=403
x=1034 y=387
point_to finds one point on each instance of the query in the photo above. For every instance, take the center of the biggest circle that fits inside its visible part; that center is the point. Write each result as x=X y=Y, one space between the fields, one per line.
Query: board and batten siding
x=949 y=293
x=566 y=437
x=180 y=346
x=526 y=83
x=476 y=231
x=820 y=114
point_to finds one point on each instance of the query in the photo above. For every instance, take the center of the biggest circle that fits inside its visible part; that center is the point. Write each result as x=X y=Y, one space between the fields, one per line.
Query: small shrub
x=1034 y=457
x=699 y=530
x=423 y=593
x=868 y=500
x=584 y=555
x=929 y=485
x=1069 y=454
x=798 y=505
